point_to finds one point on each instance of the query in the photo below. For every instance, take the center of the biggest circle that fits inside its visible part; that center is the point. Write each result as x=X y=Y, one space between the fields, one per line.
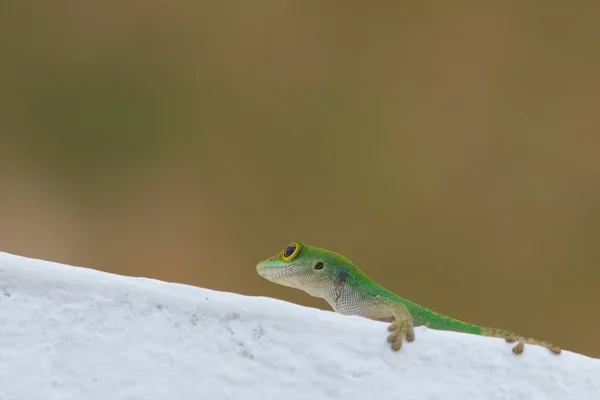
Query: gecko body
x=331 y=276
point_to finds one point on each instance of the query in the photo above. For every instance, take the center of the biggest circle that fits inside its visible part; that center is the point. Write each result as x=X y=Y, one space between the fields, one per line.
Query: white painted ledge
x=76 y=333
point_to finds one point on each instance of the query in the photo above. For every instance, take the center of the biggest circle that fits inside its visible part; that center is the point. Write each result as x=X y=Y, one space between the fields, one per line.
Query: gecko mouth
x=268 y=271
x=272 y=273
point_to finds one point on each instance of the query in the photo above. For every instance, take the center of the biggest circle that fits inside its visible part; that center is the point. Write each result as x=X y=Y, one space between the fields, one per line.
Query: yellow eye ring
x=291 y=251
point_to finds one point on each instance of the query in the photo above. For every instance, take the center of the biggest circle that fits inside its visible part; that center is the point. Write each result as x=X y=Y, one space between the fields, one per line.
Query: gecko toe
x=397 y=345
x=396 y=340
x=518 y=349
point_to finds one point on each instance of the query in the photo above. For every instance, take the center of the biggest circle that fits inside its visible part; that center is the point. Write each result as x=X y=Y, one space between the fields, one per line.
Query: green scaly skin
x=331 y=276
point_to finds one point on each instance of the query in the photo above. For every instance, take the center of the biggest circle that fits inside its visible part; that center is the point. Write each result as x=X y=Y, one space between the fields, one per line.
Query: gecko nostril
x=319 y=265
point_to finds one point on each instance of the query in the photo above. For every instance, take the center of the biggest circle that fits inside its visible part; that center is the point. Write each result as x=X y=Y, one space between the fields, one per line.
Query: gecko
x=331 y=276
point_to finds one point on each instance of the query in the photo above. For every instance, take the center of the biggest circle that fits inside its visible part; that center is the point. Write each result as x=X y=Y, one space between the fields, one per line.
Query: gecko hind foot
x=520 y=341
x=399 y=331
x=520 y=346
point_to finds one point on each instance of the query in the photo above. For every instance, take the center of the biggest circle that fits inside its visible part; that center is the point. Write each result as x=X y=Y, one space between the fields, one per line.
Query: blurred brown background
x=450 y=150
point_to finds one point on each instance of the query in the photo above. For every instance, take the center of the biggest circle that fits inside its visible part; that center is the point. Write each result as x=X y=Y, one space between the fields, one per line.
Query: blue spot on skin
x=341 y=277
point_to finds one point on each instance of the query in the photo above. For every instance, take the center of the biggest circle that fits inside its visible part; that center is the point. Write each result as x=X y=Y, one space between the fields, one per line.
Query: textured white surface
x=76 y=333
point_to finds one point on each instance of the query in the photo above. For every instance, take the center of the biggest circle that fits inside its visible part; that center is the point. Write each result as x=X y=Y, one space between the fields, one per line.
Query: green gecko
x=331 y=276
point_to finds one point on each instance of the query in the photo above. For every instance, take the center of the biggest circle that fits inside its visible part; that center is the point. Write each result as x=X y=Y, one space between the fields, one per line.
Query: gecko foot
x=520 y=346
x=400 y=330
x=511 y=337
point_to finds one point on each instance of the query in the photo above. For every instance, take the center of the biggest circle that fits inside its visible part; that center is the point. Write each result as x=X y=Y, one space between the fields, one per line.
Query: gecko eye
x=291 y=251
x=319 y=265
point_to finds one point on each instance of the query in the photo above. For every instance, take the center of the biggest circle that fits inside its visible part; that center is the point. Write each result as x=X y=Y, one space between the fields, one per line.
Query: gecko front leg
x=349 y=301
x=402 y=324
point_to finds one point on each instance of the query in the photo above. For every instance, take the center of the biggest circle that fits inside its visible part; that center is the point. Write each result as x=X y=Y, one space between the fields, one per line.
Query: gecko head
x=311 y=269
